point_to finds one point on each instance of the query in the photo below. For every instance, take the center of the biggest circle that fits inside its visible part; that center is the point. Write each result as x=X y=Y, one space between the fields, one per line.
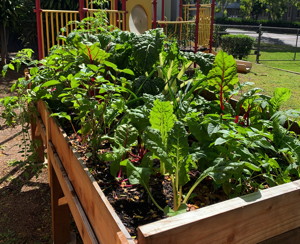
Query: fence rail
x=264 y=37
x=54 y=20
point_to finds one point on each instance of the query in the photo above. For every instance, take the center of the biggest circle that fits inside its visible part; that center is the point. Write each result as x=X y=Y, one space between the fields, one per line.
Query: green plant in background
x=222 y=78
x=19 y=109
x=136 y=95
x=239 y=46
x=203 y=60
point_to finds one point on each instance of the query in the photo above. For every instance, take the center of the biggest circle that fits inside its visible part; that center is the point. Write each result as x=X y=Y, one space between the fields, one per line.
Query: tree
x=276 y=8
x=223 y=4
x=252 y=8
x=17 y=16
x=8 y=19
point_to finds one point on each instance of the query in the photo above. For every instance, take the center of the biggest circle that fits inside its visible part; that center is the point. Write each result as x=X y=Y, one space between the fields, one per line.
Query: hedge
x=239 y=46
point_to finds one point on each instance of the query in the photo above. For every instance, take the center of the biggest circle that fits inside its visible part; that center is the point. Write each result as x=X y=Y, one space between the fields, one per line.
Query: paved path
x=273 y=38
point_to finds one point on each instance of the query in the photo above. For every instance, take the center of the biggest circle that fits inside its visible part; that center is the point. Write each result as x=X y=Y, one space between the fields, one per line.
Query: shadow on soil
x=24 y=206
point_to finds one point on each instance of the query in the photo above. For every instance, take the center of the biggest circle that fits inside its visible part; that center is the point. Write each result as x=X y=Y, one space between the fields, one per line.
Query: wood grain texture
x=290 y=237
x=82 y=223
x=248 y=219
x=61 y=218
x=100 y=213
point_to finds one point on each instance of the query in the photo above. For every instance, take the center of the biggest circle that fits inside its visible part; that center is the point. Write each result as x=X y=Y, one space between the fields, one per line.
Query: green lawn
x=267 y=76
x=268 y=79
x=280 y=53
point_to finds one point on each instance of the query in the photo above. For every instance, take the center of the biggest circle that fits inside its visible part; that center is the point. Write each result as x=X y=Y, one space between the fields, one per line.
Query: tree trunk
x=4 y=43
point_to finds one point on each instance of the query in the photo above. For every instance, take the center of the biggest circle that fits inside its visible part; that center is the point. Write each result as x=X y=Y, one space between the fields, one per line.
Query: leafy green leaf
x=220 y=141
x=126 y=135
x=61 y=115
x=280 y=96
x=51 y=83
x=170 y=212
x=162 y=118
x=137 y=175
x=146 y=49
x=223 y=76
x=178 y=151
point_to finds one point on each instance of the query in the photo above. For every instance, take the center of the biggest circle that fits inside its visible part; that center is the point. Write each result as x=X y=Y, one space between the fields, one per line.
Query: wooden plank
x=290 y=237
x=84 y=227
x=60 y=214
x=37 y=139
x=43 y=112
x=247 y=219
x=41 y=130
x=100 y=213
x=62 y=201
x=246 y=63
x=241 y=68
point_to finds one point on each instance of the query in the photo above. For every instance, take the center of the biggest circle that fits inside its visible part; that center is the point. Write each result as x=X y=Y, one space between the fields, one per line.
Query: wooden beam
x=61 y=217
x=100 y=213
x=62 y=201
x=84 y=227
x=248 y=219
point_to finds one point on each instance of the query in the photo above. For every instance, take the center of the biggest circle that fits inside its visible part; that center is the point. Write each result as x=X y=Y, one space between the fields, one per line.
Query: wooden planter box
x=257 y=217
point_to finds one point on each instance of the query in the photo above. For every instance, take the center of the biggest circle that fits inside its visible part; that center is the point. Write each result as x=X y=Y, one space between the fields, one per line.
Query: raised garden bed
x=248 y=219
x=134 y=105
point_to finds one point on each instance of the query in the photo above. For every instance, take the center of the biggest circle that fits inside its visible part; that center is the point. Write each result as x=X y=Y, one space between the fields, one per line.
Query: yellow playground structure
x=190 y=24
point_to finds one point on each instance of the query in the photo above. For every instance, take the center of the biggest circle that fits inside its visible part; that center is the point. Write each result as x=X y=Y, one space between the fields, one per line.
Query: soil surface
x=24 y=197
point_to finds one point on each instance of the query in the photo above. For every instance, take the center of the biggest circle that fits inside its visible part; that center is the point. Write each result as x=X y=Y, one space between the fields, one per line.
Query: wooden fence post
x=297 y=38
x=258 y=43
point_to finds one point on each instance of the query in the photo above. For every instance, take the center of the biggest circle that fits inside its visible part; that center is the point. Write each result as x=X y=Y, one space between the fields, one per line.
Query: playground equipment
x=190 y=24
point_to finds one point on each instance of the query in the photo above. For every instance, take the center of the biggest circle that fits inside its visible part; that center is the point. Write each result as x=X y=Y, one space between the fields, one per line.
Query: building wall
x=170 y=9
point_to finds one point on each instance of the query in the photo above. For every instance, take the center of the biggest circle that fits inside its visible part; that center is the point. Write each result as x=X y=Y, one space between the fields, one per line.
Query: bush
x=239 y=46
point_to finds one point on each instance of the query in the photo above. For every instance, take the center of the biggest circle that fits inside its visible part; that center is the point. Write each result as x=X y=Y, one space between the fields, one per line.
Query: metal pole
x=124 y=9
x=38 y=12
x=82 y=10
x=154 y=21
x=212 y=20
x=258 y=43
x=296 y=44
x=163 y=10
x=180 y=9
x=197 y=25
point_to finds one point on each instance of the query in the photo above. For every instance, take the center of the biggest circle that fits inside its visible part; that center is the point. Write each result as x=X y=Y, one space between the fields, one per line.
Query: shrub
x=239 y=46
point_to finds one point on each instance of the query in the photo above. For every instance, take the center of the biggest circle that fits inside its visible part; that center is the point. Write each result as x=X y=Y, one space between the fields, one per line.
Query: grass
x=267 y=76
x=278 y=53
x=268 y=79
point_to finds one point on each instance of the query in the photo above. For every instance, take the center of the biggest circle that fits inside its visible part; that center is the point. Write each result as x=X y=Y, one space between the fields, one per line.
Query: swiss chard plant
x=139 y=96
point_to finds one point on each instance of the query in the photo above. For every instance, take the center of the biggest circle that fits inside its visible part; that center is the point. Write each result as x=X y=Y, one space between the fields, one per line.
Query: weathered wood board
x=248 y=219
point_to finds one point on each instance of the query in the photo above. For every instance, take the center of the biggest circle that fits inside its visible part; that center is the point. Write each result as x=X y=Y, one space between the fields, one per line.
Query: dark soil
x=25 y=215
x=132 y=203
